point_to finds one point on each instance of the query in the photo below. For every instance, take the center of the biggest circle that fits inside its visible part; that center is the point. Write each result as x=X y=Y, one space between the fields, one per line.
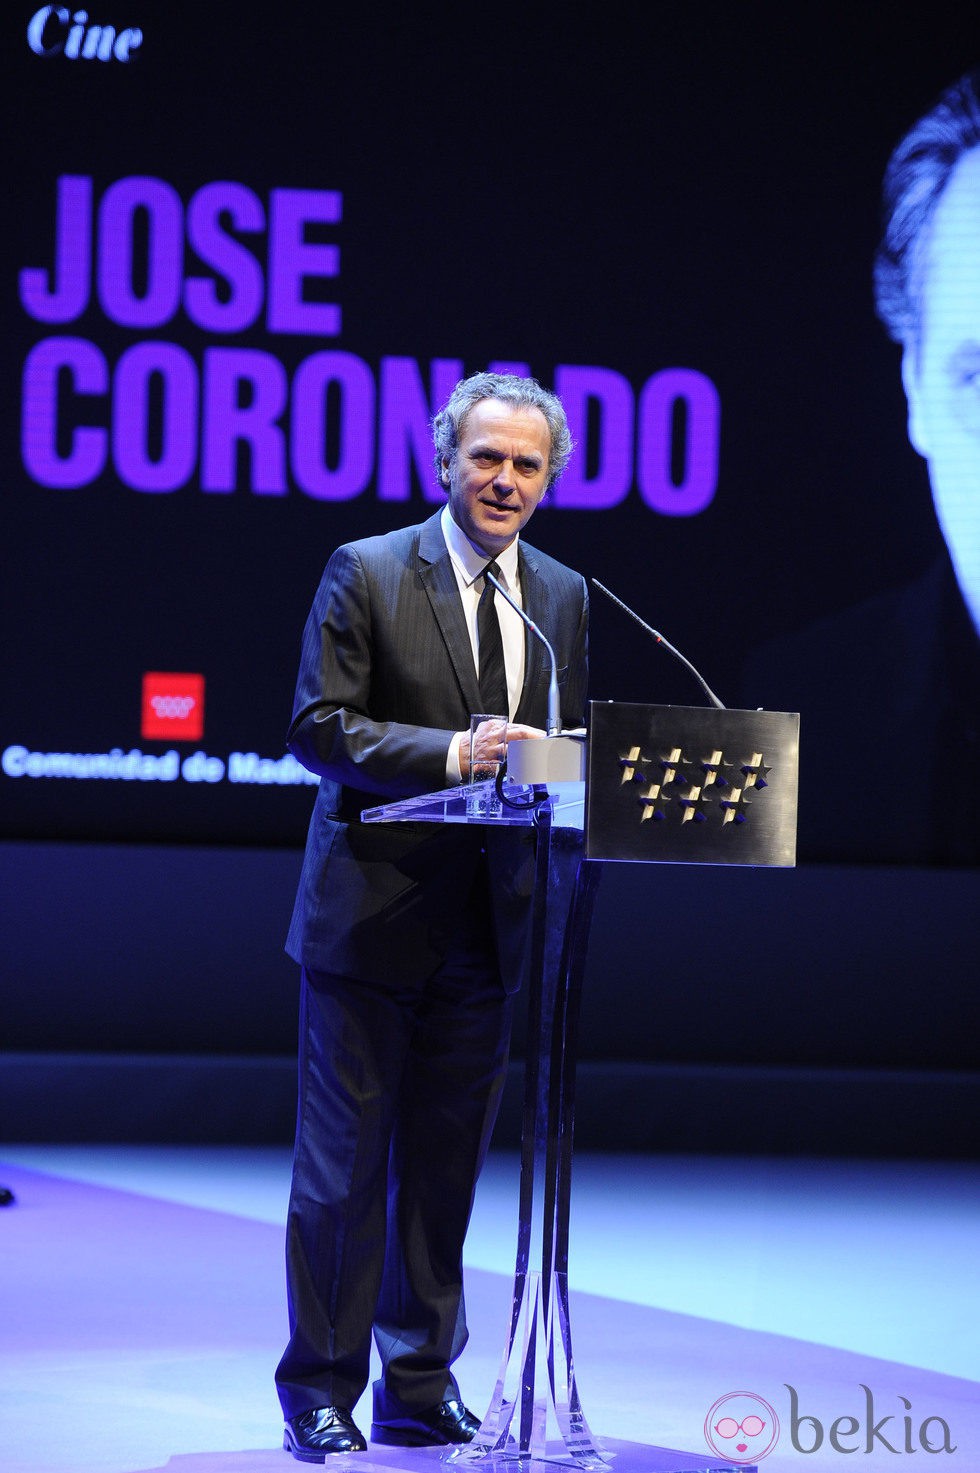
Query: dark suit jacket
x=386 y=677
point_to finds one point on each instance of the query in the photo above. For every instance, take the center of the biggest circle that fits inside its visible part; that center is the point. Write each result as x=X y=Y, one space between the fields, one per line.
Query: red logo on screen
x=173 y=707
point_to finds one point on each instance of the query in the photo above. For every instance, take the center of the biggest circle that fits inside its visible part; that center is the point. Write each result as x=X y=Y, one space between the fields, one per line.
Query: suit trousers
x=398 y=1094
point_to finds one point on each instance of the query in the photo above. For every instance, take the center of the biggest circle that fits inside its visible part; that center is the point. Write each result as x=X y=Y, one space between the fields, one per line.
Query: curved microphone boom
x=665 y=642
x=554 y=705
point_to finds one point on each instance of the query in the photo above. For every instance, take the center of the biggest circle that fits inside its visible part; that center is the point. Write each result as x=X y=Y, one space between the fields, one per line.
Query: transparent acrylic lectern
x=652 y=784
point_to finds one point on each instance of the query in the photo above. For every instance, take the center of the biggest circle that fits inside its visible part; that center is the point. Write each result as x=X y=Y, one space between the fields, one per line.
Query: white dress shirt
x=468 y=563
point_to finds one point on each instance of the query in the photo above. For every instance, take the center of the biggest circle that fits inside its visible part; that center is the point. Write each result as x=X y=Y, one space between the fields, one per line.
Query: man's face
x=942 y=373
x=499 y=472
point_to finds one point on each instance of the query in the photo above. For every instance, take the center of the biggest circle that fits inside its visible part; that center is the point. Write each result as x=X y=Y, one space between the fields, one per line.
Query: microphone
x=665 y=642
x=554 y=710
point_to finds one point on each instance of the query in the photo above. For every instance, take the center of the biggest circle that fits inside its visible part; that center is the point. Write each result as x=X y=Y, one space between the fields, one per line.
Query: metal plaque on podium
x=691 y=785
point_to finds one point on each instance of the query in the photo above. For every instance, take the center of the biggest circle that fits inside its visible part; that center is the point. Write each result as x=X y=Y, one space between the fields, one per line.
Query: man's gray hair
x=519 y=393
x=917 y=173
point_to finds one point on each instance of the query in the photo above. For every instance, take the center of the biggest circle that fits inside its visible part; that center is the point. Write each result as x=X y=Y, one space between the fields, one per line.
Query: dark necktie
x=493 y=675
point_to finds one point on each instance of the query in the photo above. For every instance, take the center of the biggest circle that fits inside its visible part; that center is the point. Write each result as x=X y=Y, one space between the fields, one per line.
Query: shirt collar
x=471 y=560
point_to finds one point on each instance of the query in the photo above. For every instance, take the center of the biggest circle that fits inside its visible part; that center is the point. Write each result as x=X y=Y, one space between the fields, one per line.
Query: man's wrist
x=457 y=754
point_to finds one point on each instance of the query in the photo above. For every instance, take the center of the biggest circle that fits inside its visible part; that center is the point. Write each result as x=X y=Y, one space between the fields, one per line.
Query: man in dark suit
x=411 y=936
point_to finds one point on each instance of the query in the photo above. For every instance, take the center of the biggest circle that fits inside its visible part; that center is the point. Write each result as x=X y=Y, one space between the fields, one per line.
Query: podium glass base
x=536 y=1394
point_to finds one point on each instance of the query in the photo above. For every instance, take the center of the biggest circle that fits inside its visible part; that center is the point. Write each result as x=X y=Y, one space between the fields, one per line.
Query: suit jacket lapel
x=439 y=582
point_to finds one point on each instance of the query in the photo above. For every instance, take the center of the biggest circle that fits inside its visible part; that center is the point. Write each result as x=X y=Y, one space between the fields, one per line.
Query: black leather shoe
x=448 y=1422
x=312 y=1435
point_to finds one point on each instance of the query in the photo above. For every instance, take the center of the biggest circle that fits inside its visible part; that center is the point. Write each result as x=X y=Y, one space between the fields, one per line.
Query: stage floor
x=142 y=1305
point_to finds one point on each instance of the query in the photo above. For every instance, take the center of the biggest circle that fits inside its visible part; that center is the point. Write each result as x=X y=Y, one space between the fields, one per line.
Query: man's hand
x=490 y=743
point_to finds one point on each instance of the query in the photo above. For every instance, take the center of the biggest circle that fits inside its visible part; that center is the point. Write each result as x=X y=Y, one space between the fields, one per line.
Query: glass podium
x=536 y=1393
x=670 y=764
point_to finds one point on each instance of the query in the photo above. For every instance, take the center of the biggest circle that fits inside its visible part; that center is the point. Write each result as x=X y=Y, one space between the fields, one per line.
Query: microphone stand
x=554 y=706
x=655 y=633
